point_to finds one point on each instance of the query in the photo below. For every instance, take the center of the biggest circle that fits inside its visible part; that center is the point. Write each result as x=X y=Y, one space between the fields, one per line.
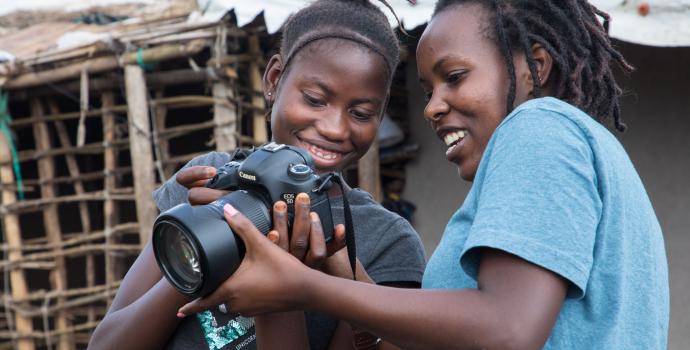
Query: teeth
x=454 y=137
x=322 y=153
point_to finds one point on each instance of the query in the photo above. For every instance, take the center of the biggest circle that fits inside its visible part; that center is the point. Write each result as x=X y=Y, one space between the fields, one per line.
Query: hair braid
x=570 y=31
x=507 y=54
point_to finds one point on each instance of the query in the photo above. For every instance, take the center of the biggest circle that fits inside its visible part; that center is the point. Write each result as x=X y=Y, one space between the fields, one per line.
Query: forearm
x=409 y=318
x=281 y=330
x=146 y=323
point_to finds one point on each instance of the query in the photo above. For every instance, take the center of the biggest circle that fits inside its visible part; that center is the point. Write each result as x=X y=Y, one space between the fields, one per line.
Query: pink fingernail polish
x=181 y=315
x=230 y=210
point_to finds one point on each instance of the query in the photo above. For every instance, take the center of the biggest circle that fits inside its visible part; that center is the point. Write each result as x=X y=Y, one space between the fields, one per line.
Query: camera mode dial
x=299 y=171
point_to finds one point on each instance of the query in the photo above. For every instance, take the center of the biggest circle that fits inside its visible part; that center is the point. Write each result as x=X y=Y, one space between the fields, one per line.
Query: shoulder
x=543 y=130
x=546 y=114
x=548 y=118
x=214 y=159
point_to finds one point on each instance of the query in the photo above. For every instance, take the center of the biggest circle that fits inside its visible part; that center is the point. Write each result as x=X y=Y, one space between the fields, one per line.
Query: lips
x=454 y=140
x=325 y=157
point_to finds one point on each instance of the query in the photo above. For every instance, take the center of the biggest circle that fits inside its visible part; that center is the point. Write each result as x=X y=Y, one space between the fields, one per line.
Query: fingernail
x=181 y=315
x=230 y=210
x=210 y=172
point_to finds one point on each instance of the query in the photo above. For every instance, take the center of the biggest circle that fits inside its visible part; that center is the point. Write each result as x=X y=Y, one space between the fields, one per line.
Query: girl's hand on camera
x=307 y=242
x=268 y=279
x=195 y=178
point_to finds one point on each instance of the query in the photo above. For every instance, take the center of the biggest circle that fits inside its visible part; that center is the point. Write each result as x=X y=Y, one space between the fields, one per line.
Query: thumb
x=201 y=304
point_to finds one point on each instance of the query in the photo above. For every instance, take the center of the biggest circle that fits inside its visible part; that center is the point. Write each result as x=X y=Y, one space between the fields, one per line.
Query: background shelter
x=69 y=242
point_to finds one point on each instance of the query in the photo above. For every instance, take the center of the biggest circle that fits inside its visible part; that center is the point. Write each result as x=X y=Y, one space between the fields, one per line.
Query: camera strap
x=349 y=227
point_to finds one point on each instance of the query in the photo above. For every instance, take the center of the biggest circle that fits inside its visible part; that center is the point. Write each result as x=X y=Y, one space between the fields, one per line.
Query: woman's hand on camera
x=307 y=242
x=267 y=280
x=195 y=178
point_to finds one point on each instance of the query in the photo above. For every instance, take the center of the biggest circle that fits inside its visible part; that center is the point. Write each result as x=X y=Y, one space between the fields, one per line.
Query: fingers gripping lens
x=194 y=246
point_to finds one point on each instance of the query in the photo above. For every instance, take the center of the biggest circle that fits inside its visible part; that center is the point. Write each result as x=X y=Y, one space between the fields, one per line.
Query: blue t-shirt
x=555 y=188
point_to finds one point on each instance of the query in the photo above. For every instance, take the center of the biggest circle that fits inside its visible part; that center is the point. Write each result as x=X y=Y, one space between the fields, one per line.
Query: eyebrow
x=437 y=65
x=330 y=92
x=320 y=84
x=446 y=58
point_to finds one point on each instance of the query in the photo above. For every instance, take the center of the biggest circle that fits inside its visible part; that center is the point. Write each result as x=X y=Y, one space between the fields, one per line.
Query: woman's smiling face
x=464 y=76
x=329 y=101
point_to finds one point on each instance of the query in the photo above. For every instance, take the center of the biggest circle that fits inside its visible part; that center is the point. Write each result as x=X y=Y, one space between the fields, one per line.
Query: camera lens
x=180 y=256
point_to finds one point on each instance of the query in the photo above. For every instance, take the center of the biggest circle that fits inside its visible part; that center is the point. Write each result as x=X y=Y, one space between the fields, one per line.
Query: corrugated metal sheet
x=653 y=22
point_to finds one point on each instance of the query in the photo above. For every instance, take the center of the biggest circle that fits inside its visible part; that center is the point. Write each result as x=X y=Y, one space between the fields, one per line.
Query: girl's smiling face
x=329 y=101
x=466 y=81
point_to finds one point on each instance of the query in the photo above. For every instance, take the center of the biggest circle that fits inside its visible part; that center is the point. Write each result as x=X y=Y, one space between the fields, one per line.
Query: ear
x=274 y=70
x=544 y=64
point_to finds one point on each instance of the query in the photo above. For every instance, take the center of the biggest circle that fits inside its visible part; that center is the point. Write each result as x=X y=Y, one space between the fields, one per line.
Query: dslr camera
x=195 y=248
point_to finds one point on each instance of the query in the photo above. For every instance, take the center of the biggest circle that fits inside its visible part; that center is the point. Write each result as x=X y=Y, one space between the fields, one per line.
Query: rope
x=140 y=61
x=5 y=120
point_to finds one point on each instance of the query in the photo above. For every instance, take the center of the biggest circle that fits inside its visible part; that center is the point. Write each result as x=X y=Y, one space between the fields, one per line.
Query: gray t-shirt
x=387 y=246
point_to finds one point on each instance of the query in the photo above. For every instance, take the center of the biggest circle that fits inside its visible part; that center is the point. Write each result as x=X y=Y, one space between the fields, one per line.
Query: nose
x=436 y=108
x=334 y=126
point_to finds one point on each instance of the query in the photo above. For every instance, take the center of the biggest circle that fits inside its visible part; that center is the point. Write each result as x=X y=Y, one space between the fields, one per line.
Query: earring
x=270 y=93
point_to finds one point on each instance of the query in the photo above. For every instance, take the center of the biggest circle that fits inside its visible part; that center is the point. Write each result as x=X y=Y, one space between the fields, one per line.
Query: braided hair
x=569 y=30
x=358 y=21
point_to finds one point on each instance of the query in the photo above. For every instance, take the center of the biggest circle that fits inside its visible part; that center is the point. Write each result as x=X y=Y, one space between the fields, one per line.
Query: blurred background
x=101 y=101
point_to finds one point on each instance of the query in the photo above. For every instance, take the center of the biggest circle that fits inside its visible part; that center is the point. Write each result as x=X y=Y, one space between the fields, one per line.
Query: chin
x=465 y=174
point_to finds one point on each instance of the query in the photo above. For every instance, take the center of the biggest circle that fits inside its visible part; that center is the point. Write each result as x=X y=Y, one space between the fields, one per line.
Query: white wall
x=657 y=111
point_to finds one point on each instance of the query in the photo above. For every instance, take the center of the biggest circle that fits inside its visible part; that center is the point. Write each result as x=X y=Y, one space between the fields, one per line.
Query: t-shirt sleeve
x=398 y=255
x=538 y=197
x=171 y=193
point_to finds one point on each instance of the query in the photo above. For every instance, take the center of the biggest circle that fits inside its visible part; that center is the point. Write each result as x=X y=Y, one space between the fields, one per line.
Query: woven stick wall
x=96 y=129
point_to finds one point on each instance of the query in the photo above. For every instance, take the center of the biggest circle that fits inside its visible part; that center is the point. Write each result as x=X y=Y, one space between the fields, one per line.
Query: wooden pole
x=140 y=149
x=73 y=168
x=22 y=324
x=224 y=118
x=224 y=112
x=114 y=267
x=369 y=173
x=161 y=114
x=106 y=63
x=255 y=81
x=51 y=222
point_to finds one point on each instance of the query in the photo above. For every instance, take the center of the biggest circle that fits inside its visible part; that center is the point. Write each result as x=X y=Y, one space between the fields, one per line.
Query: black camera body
x=195 y=248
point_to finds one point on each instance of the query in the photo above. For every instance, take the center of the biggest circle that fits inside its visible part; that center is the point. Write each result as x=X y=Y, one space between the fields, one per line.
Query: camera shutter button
x=299 y=171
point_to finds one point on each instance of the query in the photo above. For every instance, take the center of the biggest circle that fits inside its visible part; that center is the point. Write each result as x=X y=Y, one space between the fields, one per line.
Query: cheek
x=364 y=135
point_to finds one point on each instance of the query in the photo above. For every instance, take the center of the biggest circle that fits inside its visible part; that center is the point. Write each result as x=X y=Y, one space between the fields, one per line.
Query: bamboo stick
x=51 y=222
x=160 y=115
x=13 y=235
x=70 y=252
x=101 y=64
x=97 y=175
x=183 y=101
x=368 y=172
x=74 y=239
x=255 y=81
x=110 y=208
x=38 y=204
x=112 y=81
x=142 y=157
x=70 y=293
x=73 y=168
x=224 y=118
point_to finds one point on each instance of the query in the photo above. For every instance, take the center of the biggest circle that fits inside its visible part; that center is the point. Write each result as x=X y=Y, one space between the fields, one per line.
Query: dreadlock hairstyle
x=358 y=21
x=569 y=30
